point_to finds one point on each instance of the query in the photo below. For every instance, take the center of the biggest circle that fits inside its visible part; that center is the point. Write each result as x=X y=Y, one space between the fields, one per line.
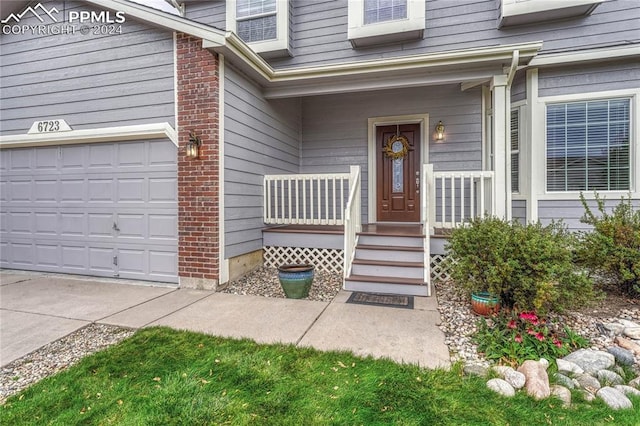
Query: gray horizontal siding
x=319 y=29
x=519 y=210
x=571 y=210
x=335 y=128
x=261 y=137
x=211 y=12
x=90 y=81
x=589 y=78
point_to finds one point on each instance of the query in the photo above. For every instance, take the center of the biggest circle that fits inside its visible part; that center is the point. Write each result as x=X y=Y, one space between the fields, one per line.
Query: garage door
x=105 y=209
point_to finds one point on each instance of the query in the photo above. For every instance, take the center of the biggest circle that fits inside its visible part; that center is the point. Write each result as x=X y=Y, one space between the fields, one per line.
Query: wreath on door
x=397 y=147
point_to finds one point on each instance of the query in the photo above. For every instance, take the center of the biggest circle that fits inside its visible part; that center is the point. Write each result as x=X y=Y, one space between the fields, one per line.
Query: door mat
x=391 y=300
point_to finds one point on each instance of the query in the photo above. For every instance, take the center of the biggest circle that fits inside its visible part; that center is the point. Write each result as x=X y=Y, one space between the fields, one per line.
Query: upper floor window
x=588 y=145
x=263 y=24
x=256 y=20
x=373 y=22
x=384 y=10
x=516 y=12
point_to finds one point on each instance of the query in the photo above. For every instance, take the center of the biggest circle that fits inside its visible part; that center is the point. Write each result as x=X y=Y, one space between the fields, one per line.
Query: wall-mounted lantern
x=439 y=131
x=193 y=146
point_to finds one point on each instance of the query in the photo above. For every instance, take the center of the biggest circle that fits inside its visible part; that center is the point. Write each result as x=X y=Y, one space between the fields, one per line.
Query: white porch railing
x=455 y=197
x=353 y=218
x=427 y=176
x=307 y=199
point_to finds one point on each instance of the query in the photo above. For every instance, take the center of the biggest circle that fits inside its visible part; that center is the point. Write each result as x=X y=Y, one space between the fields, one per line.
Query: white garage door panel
x=99 y=209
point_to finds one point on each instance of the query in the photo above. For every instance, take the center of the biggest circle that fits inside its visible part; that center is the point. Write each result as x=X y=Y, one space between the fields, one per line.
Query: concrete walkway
x=36 y=309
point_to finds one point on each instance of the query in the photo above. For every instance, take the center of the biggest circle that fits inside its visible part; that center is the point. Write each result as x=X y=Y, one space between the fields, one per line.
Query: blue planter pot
x=484 y=303
x=296 y=280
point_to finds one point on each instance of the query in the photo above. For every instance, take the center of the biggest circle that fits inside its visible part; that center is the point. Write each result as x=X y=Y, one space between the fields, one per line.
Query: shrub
x=514 y=337
x=612 y=249
x=529 y=266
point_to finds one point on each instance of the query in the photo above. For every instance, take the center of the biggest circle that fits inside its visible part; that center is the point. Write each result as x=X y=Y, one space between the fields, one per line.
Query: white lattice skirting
x=440 y=264
x=329 y=260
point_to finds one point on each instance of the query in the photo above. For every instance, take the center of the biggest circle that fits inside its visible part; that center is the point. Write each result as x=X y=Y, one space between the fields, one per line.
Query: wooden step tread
x=386 y=280
x=388 y=263
x=391 y=248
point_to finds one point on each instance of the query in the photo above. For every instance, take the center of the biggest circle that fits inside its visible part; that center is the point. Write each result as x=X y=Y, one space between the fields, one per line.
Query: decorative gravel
x=57 y=356
x=264 y=282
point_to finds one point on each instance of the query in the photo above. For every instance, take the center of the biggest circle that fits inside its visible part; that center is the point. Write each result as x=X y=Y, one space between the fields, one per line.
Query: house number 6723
x=49 y=126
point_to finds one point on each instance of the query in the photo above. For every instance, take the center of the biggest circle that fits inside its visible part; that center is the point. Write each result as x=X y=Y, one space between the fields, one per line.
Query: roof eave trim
x=104 y=134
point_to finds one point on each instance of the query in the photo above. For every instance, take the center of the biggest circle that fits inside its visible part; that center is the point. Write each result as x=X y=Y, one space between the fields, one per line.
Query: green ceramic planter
x=484 y=303
x=296 y=280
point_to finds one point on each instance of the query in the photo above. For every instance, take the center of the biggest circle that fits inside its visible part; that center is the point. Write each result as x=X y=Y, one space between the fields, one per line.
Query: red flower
x=540 y=336
x=531 y=331
x=557 y=342
x=512 y=324
x=518 y=338
x=529 y=316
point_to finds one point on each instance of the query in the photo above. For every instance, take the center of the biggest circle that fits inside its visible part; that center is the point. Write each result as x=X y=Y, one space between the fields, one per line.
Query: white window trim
x=280 y=43
x=634 y=132
x=356 y=29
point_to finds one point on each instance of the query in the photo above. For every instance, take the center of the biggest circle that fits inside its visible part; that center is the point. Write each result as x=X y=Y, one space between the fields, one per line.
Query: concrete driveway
x=36 y=309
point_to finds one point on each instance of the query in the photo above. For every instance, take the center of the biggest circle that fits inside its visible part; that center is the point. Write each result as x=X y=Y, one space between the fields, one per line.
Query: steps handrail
x=352 y=218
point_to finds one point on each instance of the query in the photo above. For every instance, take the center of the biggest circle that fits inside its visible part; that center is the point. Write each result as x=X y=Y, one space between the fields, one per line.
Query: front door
x=398 y=173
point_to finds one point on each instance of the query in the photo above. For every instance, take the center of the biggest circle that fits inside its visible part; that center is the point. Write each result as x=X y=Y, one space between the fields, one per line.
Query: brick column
x=198 y=203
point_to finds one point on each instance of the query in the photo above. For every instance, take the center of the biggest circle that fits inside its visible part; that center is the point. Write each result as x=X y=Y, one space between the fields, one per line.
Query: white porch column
x=501 y=123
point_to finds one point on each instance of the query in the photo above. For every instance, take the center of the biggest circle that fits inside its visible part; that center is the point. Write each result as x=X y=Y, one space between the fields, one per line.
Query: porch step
x=398 y=253
x=389 y=258
x=386 y=285
x=389 y=240
x=387 y=268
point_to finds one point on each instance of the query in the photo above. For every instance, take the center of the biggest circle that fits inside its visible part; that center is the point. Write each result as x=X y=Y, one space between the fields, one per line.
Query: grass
x=162 y=377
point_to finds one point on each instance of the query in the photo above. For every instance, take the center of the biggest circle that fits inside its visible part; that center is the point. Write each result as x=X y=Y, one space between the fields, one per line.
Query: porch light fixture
x=193 y=146
x=439 y=131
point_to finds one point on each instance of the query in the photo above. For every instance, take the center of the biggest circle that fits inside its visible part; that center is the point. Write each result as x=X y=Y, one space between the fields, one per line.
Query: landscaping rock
x=635 y=383
x=628 y=324
x=501 y=370
x=588 y=383
x=515 y=379
x=628 y=344
x=544 y=363
x=622 y=356
x=562 y=393
x=591 y=361
x=615 y=399
x=609 y=378
x=501 y=387
x=475 y=370
x=632 y=332
x=587 y=396
x=615 y=327
x=537 y=380
x=627 y=390
x=568 y=366
x=565 y=381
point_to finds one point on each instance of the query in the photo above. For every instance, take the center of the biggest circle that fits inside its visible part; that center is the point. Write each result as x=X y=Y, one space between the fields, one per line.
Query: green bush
x=612 y=248
x=529 y=266
x=512 y=338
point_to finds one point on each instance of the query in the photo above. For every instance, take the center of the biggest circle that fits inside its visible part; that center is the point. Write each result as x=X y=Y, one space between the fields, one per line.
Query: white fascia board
x=105 y=134
x=589 y=55
x=162 y=19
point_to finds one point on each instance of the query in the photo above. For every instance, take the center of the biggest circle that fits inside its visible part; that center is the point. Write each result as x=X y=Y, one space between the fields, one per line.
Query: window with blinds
x=384 y=10
x=515 y=150
x=588 y=145
x=256 y=20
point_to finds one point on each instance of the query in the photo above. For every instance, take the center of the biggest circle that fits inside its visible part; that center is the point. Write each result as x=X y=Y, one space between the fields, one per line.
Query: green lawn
x=161 y=376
